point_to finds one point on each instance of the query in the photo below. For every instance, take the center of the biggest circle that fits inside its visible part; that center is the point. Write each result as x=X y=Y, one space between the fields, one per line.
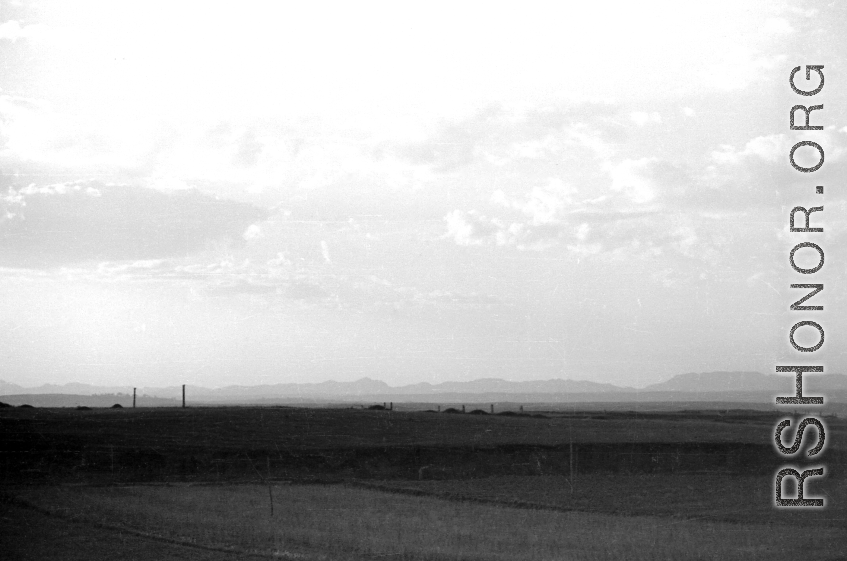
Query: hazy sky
x=230 y=193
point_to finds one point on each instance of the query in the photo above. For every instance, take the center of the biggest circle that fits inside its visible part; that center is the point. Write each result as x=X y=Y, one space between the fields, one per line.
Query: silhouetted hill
x=720 y=382
x=748 y=382
x=703 y=386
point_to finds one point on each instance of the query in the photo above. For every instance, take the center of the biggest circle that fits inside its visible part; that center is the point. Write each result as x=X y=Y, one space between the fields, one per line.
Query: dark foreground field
x=31 y=535
x=201 y=483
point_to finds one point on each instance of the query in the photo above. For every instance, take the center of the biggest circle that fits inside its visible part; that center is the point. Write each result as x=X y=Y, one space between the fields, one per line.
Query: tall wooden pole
x=133 y=398
x=183 y=396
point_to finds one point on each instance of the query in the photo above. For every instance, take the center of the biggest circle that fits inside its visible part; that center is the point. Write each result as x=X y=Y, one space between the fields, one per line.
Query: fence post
x=183 y=396
x=133 y=398
x=570 y=455
x=270 y=487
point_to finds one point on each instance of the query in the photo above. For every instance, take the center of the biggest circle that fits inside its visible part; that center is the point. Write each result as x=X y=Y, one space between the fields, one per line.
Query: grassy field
x=334 y=522
x=225 y=444
x=411 y=485
x=235 y=428
x=29 y=535
x=736 y=499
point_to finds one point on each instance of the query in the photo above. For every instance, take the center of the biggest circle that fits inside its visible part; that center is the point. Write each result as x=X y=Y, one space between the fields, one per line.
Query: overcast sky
x=229 y=193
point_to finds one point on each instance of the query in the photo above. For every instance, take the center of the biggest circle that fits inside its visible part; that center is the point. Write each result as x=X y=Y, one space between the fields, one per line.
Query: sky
x=255 y=193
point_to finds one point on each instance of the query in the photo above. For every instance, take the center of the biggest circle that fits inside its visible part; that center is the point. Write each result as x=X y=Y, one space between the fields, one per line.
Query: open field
x=717 y=498
x=236 y=427
x=27 y=534
x=225 y=444
x=319 y=521
x=418 y=485
x=263 y=427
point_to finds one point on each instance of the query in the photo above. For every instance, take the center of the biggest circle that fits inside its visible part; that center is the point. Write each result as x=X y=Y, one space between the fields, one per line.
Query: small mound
x=452 y=410
x=429 y=411
x=478 y=412
x=376 y=408
x=83 y=408
x=117 y=406
x=27 y=406
x=539 y=416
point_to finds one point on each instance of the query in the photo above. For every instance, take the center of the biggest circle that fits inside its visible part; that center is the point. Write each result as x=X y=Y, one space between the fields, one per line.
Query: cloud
x=633 y=177
x=471 y=228
x=602 y=187
x=764 y=153
x=641 y=118
x=10 y=205
x=305 y=291
x=325 y=252
x=12 y=31
x=741 y=70
x=455 y=147
x=66 y=223
x=249 y=148
x=254 y=231
x=777 y=26
x=603 y=231
x=36 y=137
x=543 y=205
x=502 y=135
x=769 y=148
x=644 y=211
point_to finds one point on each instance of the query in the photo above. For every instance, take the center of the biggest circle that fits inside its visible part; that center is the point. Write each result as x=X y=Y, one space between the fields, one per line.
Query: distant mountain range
x=705 y=386
x=748 y=382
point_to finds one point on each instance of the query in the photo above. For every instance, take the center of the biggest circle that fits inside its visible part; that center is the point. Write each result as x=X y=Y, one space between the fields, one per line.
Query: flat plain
x=199 y=483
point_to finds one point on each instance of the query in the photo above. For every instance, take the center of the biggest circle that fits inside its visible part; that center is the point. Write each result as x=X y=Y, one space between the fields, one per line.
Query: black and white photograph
x=423 y=281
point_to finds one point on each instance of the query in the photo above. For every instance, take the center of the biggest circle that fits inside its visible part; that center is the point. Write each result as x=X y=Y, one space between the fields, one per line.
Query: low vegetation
x=334 y=520
x=418 y=486
x=713 y=497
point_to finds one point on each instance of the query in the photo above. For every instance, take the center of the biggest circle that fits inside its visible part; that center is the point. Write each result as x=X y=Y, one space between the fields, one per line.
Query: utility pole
x=133 y=398
x=183 y=396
